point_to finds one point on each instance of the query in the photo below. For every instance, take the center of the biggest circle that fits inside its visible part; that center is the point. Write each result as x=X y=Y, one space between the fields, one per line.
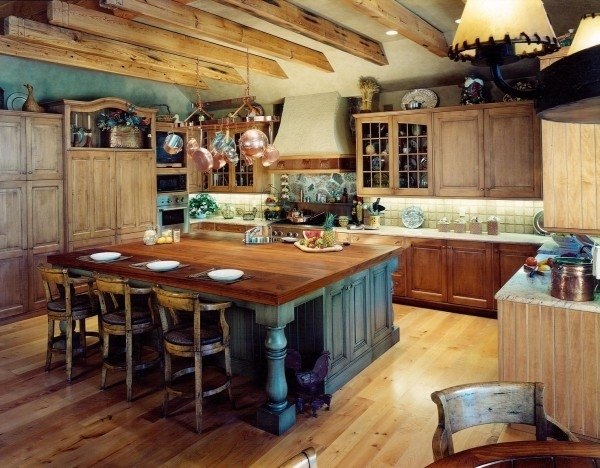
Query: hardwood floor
x=383 y=417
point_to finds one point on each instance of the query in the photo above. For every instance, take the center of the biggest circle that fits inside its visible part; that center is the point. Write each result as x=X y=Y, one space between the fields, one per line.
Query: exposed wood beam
x=394 y=16
x=61 y=38
x=102 y=24
x=18 y=48
x=290 y=16
x=192 y=21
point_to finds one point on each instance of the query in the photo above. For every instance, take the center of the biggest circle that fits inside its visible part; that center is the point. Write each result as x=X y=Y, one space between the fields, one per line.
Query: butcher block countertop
x=279 y=272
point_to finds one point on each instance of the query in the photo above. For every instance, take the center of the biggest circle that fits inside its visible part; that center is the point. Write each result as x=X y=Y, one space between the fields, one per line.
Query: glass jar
x=228 y=211
x=150 y=236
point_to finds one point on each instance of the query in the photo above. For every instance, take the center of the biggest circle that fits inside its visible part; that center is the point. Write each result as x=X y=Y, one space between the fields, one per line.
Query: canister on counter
x=572 y=279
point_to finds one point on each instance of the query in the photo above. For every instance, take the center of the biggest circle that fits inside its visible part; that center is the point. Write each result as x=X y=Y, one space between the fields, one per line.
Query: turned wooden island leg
x=277 y=415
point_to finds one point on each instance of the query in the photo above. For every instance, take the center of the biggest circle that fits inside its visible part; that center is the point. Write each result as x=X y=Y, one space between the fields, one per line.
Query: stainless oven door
x=173 y=217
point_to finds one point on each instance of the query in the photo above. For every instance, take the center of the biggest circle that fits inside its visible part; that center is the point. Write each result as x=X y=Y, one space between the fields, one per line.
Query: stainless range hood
x=314 y=135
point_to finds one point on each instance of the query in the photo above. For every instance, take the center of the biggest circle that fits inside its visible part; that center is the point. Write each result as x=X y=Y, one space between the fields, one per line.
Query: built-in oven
x=166 y=183
x=172 y=211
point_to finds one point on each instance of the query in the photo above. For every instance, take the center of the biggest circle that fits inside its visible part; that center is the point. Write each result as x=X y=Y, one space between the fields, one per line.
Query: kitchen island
x=335 y=301
x=557 y=342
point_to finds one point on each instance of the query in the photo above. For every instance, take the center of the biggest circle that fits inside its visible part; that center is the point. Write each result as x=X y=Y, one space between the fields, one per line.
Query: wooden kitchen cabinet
x=426 y=270
x=487 y=152
x=571 y=174
x=508 y=259
x=393 y=154
x=239 y=177
x=31 y=206
x=469 y=274
x=110 y=192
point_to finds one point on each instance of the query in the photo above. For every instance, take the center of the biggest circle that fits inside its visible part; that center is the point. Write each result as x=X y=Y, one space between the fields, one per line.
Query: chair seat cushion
x=80 y=305
x=138 y=317
x=184 y=336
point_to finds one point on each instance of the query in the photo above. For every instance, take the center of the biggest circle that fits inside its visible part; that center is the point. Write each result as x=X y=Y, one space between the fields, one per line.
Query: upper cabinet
x=571 y=173
x=394 y=154
x=489 y=150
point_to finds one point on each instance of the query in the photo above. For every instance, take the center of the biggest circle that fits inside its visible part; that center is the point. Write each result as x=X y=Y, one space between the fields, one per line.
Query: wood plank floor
x=383 y=417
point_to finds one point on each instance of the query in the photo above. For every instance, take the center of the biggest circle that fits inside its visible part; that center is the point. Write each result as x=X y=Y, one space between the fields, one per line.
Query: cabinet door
x=512 y=154
x=426 y=270
x=91 y=195
x=337 y=334
x=458 y=152
x=44 y=148
x=358 y=306
x=508 y=259
x=36 y=296
x=13 y=216
x=13 y=278
x=469 y=273
x=45 y=215
x=136 y=191
x=412 y=175
x=13 y=163
x=374 y=156
x=382 y=319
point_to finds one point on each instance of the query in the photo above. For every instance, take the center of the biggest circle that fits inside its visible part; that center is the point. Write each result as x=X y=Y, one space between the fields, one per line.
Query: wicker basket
x=474 y=228
x=122 y=137
x=492 y=228
x=460 y=227
x=443 y=227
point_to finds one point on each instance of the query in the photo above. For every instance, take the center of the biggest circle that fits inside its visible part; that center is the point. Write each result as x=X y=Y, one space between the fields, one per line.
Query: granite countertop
x=536 y=290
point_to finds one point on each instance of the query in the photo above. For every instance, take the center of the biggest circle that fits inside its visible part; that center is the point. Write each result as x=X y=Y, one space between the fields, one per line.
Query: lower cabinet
x=508 y=258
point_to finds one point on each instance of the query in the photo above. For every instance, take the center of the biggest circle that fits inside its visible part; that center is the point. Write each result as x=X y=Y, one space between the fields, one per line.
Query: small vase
x=201 y=215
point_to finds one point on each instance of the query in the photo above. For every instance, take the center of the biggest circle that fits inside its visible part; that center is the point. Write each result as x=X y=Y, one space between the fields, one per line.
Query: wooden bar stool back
x=192 y=339
x=63 y=304
x=121 y=316
x=469 y=405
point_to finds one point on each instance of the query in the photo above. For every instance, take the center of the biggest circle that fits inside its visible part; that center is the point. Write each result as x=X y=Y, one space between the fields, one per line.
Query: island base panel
x=276 y=422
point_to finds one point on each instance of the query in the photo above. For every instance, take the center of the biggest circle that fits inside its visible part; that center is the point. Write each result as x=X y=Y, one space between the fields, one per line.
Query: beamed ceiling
x=284 y=47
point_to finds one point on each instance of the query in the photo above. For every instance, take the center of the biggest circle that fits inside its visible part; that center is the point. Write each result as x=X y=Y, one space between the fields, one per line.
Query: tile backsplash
x=515 y=216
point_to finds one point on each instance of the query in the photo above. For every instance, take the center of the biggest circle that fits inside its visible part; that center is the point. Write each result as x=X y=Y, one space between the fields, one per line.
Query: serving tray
x=335 y=248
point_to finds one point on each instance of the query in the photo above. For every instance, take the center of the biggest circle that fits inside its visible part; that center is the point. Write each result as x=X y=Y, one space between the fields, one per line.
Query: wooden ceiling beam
x=394 y=16
x=290 y=16
x=67 y=39
x=192 y=21
x=106 y=25
x=19 y=48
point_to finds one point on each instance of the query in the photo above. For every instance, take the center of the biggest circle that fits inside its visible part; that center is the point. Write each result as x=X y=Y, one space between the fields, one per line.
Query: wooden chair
x=305 y=459
x=192 y=338
x=474 y=404
x=64 y=305
x=123 y=315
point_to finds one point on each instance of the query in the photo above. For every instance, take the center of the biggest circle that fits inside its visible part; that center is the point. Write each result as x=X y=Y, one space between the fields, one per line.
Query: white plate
x=162 y=265
x=289 y=240
x=413 y=217
x=105 y=256
x=426 y=97
x=225 y=275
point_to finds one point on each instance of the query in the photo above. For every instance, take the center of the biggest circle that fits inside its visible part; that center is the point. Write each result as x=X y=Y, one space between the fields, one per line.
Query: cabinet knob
x=29 y=172
x=481 y=189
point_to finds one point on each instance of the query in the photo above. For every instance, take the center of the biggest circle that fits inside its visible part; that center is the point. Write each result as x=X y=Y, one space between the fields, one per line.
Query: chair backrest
x=57 y=284
x=305 y=459
x=171 y=304
x=109 y=287
x=469 y=405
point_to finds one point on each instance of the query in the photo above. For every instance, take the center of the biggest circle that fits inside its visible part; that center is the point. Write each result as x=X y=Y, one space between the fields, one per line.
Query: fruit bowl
x=314 y=234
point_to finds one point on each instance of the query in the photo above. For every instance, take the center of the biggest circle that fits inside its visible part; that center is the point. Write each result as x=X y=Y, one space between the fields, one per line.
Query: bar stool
x=192 y=339
x=64 y=305
x=122 y=315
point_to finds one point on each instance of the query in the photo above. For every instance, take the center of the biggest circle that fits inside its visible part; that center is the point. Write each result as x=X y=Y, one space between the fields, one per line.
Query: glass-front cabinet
x=394 y=154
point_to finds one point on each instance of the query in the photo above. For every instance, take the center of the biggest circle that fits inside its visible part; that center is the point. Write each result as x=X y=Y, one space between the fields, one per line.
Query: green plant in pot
x=201 y=205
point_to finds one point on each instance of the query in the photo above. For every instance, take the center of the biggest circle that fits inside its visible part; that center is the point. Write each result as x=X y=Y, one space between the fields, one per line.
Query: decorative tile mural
x=315 y=186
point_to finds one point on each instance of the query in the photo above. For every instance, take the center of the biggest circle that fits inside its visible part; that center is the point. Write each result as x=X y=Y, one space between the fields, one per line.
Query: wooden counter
x=338 y=301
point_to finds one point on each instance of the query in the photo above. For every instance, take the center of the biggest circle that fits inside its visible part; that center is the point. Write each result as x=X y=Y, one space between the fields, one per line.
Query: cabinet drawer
x=197 y=227
x=231 y=227
x=375 y=239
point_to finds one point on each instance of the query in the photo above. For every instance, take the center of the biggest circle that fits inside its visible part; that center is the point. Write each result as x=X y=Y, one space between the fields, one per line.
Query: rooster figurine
x=310 y=382
x=30 y=104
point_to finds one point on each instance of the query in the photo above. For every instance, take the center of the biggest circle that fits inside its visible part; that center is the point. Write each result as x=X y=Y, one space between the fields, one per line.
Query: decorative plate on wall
x=425 y=97
x=15 y=101
x=413 y=217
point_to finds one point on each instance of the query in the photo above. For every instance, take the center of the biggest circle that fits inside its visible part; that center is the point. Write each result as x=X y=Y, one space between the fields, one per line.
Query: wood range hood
x=314 y=135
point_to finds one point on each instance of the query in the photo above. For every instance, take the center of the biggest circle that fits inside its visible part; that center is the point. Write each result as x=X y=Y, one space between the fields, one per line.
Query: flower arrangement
x=202 y=204
x=120 y=118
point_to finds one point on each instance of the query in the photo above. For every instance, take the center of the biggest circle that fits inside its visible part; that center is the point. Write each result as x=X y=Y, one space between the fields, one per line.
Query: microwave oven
x=171 y=183
x=164 y=159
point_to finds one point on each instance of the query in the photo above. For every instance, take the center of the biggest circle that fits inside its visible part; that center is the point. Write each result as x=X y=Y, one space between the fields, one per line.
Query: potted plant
x=201 y=205
x=122 y=128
